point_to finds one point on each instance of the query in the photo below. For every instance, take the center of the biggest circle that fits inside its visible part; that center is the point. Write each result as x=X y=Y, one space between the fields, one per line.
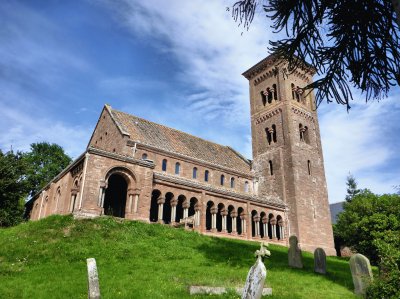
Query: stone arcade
x=137 y=169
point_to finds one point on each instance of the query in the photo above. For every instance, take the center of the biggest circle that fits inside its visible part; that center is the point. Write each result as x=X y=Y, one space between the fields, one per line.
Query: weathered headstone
x=320 y=261
x=294 y=253
x=253 y=289
x=361 y=273
x=93 y=279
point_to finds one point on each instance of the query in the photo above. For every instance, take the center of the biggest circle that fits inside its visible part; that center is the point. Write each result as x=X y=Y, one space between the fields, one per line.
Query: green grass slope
x=47 y=259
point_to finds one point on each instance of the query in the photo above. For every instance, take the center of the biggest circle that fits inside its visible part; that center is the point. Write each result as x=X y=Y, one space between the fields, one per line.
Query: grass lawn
x=47 y=259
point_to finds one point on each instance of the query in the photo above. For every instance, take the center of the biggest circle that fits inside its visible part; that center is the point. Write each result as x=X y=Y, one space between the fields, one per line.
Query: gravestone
x=253 y=289
x=320 y=261
x=361 y=273
x=294 y=253
x=93 y=279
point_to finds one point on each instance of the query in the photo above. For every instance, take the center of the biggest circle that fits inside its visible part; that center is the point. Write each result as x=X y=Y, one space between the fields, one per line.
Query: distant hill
x=335 y=208
x=47 y=259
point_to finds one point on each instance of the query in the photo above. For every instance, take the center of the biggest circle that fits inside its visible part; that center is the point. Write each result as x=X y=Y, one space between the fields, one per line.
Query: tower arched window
x=232 y=182
x=298 y=94
x=306 y=136
x=263 y=98
x=270 y=95
x=301 y=132
x=195 y=172
x=222 y=180
x=246 y=186
x=309 y=167
x=206 y=174
x=269 y=135
x=293 y=91
x=271 y=168
x=177 y=168
x=275 y=92
x=144 y=156
x=274 y=133
x=164 y=165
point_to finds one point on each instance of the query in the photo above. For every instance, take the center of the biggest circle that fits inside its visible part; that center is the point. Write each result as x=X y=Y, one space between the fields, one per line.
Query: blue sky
x=178 y=63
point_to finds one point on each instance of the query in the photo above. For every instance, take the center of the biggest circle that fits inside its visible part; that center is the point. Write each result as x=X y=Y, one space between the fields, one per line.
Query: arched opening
x=269 y=91
x=270 y=218
x=229 y=219
x=167 y=208
x=269 y=135
x=293 y=91
x=275 y=91
x=210 y=205
x=306 y=136
x=155 y=195
x=246 y=186
x=262 y=232
x=263 y=98
x=206 y=173
x=195 y=172
x=222 y=181
x=253 y=224
x=309 y=167
x=278 y=227
x=239 y=227
x=144 y=156
x=192 y=207
x=115 y=196
x=274 y=133
x=164 y=165
x=221 y=210
x=179 y=208
x=298 y=94
x=271 y=169
x=232 y=182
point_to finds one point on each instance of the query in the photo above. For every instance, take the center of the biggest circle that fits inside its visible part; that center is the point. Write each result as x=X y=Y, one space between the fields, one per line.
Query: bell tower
x=287 y=152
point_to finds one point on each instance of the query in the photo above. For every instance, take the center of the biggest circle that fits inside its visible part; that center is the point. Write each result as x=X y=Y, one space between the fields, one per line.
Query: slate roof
x=172 y=140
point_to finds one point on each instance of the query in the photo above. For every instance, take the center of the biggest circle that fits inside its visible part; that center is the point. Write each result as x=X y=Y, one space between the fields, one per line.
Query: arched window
x=306 y=136
x=271 y=168
x=144 y=156
x=293 y=91
x=269 y=92
x=275 y=91
x=309 y=167
x=164 y=165
x=301 y=132
x=177 y=168
x=298 y=94
x=232 y=182
x=195 y=172
x=222 y=180
x=274 y=133
x=269 y=135
x=206 y=173
x=246 y=186
x=263 y=98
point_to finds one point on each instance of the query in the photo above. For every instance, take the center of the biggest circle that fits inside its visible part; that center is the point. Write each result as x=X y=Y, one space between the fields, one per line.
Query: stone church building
x=137 y=169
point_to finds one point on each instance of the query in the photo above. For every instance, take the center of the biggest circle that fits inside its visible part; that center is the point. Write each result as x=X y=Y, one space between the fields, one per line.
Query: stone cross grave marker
x=320 y=261
x=253 y=289
x=361 y=273
x=294 y=253
x=93 y=279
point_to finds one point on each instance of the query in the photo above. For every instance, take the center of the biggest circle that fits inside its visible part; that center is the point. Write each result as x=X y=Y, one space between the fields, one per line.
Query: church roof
x=175 y=141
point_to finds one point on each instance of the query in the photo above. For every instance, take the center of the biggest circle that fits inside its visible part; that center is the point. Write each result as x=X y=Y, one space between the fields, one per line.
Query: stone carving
x=294 y=254
x=361 y=273
x=320 y=261
x=253 y=289
x=93 y=279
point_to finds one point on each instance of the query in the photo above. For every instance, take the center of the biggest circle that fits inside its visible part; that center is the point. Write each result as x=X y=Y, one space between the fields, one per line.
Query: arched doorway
x=115 y=196
x=155 y=195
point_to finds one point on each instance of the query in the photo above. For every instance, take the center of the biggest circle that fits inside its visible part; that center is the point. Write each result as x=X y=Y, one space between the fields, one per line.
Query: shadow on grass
x=238 y=253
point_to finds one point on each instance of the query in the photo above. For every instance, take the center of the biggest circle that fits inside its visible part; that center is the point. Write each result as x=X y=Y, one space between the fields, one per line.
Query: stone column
x=214 y=211
x=197 y=215
x=244 y=224
x=273 y=227
x=224 y=214
x=136 y=203
x=72 y=202
x=174 y=203
x=256 y=226
x=233 y=216
x=185 y=206
x=160 y=203
x=265 y=226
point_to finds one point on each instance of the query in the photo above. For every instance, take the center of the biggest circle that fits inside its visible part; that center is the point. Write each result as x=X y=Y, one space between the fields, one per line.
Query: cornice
x=266 y=115
x=160 y=177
